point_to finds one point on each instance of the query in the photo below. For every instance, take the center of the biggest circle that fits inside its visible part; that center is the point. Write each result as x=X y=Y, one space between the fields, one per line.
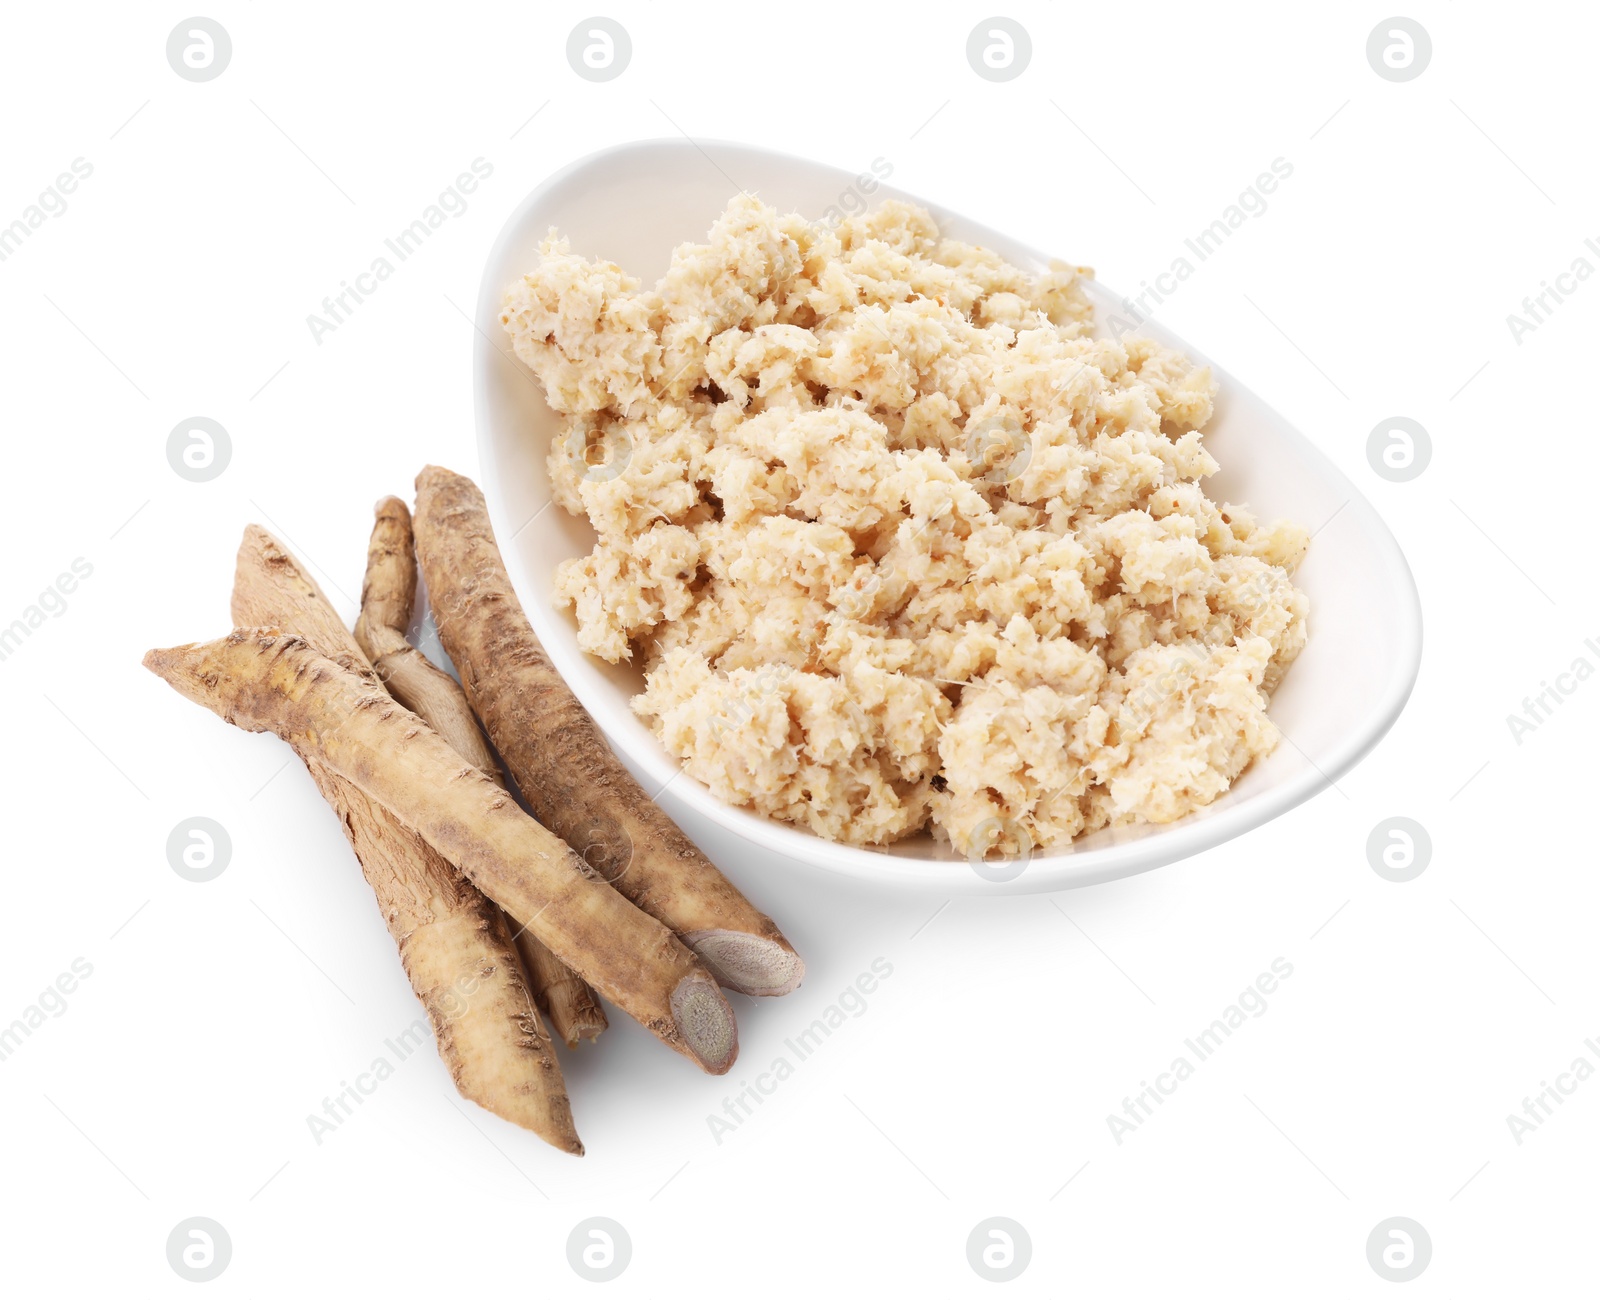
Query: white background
x=979 y=1080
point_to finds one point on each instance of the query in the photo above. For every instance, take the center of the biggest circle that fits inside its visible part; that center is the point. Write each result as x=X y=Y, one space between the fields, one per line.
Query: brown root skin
x=388 y=594
x=454 y=943
x=271 y=589
x=574 y=1012
x=387 y=597
x=458 y=954
x=389 y=590
x=559 y=759
x=268 y=681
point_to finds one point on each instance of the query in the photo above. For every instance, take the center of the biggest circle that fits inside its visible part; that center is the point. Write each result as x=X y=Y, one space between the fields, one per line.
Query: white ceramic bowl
x=633 y=204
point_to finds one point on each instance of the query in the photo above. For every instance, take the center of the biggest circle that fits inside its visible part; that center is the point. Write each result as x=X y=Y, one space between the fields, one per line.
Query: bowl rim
x=1060 y=869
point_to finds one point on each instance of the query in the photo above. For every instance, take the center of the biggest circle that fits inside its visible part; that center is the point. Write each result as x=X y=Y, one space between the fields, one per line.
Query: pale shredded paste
x=898 y=542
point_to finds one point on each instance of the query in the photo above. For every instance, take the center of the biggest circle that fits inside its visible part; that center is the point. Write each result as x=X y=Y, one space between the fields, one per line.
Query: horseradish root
x=263 y=680
x=458 y=953
x=454 y=944
x=572 y=1008
x=561 y=762
x=388 y=594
